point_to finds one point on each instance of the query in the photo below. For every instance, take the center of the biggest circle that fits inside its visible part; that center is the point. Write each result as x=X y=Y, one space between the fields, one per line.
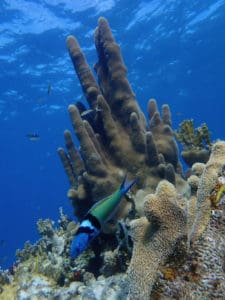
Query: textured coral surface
x=155 y=239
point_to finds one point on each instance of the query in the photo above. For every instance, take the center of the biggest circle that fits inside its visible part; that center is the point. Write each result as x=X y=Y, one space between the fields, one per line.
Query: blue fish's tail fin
x=124 y=188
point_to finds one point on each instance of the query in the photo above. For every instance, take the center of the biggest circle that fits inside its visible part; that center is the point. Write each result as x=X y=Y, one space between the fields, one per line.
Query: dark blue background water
x=174 y=51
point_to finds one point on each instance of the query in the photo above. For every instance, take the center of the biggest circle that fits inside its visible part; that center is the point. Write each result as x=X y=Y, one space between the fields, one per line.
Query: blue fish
x=96 y=217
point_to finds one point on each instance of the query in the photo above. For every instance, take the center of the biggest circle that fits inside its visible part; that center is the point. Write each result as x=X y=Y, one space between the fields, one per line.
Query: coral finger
x=151 y=150
x=112 y=72
x=111 y=49
x=137 y=134
x=152 y=108
x=166 y=115
x=170 y=174
x=155 y=122
x=92 y=159
x=95 y=141
x=108 y=122
x=67 y=167
x=75 y=160
x=78 y=197
x=87 y=80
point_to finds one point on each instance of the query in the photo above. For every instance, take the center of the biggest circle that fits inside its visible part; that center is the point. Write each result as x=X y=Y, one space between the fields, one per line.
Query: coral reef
x=195 y=141
x=50 y=255
x=166 y=241
x=45 y=271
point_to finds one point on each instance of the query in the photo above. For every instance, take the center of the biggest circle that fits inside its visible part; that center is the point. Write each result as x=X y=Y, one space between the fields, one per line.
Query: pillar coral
x=123 y=143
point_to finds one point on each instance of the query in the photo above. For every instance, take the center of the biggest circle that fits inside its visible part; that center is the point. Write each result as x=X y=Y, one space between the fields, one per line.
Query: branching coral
x=123 y=142
x=191 y=137
x=155 y=238
x=50 y=255
x=195 y=141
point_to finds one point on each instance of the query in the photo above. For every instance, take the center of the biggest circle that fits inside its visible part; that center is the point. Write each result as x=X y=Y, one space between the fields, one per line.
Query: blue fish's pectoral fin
x=125 y=187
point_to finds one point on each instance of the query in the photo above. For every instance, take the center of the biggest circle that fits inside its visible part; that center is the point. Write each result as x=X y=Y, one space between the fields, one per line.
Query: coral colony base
x=166 y=239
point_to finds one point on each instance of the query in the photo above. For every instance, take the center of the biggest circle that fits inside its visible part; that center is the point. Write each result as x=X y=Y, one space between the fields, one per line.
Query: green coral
x=191 y=137
x=196 y=142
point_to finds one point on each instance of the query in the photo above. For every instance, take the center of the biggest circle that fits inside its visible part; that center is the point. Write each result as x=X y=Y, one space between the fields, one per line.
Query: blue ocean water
x=174 y=51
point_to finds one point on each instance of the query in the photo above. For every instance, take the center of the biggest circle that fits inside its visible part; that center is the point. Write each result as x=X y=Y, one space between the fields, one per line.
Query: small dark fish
x=33 y=136
x=49 y=89
x=81 y=107
x=91 y=115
